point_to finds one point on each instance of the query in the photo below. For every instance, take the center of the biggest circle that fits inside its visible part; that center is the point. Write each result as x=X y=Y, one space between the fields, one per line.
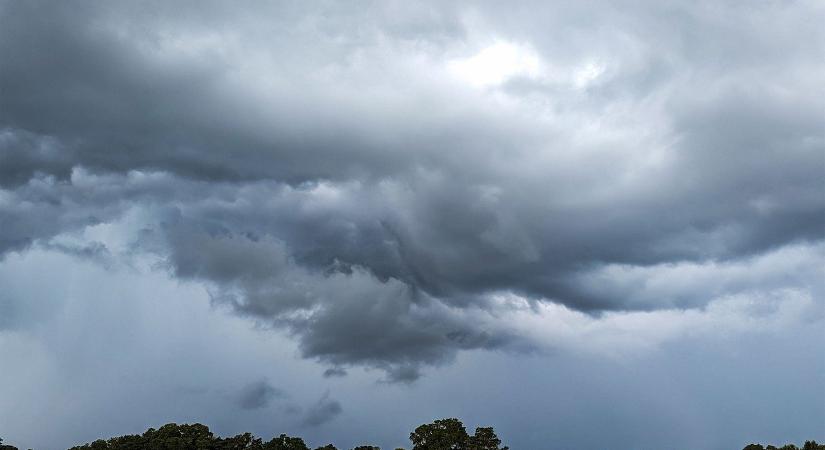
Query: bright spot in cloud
x=496 y=64
x=587 y=74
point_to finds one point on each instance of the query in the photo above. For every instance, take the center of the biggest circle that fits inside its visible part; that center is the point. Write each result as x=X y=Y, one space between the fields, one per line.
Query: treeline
x=445 y=434
x=808 y=445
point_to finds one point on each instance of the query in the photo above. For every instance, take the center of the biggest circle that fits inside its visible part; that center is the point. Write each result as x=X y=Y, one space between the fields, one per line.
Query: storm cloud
x=374 y=179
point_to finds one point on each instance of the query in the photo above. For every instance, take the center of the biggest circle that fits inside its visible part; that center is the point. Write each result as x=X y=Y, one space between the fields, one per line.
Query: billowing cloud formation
x=374 y=179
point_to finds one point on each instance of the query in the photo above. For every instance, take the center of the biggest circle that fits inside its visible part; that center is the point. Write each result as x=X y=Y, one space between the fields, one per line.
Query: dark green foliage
x=485 y=439
x=753 y=447
x=6 y=447
x=443 y=434
x=450 y=434
x=239 y=442
x=809 y=445
x=284 y=442
x=193 y=437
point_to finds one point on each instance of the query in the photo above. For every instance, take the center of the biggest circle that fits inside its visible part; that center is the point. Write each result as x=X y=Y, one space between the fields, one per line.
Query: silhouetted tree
x=6 y=447
x=245 y=441
x=809 y=445
x=443 y=434
x=284 y=442
x=485 y=439
x=450 y=434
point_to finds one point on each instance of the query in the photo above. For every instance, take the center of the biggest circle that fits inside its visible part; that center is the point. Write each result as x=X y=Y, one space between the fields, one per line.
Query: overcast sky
x=588 y=224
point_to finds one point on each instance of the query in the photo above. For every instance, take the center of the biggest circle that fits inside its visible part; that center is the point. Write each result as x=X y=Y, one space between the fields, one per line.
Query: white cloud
x=496 y=64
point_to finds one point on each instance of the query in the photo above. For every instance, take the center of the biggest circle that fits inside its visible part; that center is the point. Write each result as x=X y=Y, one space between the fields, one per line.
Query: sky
x=588 y=224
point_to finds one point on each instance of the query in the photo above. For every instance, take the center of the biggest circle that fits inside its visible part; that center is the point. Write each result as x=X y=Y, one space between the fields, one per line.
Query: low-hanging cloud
x=322 y=411
x=258 y=394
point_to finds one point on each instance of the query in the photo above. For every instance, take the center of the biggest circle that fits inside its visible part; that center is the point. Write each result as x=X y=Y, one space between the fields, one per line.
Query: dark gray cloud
x=326 y=170
x=258 y=394
x=341 y=315
x=323 y=411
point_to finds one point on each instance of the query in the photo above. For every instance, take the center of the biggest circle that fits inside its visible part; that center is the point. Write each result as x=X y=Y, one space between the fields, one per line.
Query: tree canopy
x=808 y=445
x=450 y=434
x=443 y=434
x=6 y=447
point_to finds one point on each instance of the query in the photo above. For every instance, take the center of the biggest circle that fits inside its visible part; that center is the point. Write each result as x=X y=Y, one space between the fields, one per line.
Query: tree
x=245 y=441
x=366 y=447
x=485 y=439
x=6 y=447
x=443 y=434
x=177 y=437
x=809 y=445
x=99 y=444
x=284 y=442
x=327 y=447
